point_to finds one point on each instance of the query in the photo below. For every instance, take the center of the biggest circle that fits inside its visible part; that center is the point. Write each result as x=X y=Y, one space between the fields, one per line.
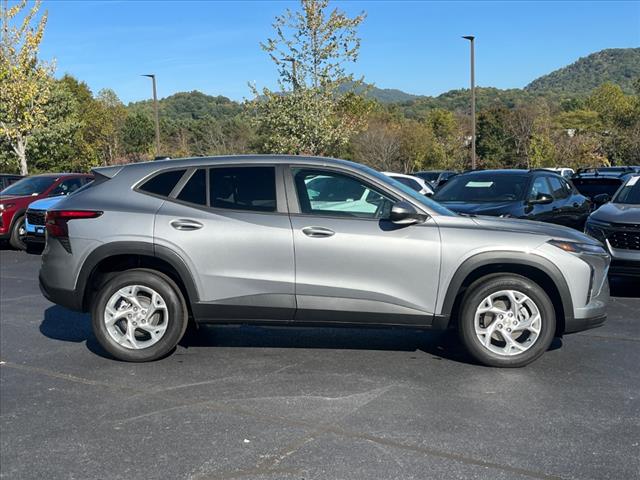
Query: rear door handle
x=317 y=232
x=184 y=224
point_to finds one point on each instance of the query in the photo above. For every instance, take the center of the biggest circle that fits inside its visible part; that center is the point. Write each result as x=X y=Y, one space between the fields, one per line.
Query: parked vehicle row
x=15 y=199
x=303 y=241
x=413 y=182
x=528 y=194
x=617 y=225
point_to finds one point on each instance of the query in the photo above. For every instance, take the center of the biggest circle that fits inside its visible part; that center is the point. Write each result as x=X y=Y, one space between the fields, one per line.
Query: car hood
x=480 y=208
x=617 y=213
x=534 y=228
x=45 y=203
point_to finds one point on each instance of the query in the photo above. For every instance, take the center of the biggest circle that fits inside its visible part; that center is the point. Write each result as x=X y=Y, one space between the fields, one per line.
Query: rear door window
x=539 y=188
x=163 y=183
x=243 y=188
x=195 y=190
x=559 y=189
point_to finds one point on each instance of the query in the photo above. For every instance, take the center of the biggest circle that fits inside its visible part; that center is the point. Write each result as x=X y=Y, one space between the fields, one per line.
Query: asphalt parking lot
x=309 y=403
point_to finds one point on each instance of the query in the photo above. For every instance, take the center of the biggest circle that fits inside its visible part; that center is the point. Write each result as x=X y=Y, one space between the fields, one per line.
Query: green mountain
x=617 y=65
x=190 y=105
x=620 y=66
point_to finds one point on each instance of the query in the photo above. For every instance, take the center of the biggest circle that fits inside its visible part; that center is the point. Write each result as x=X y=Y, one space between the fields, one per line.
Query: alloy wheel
x=507 y=322
x=136 y=317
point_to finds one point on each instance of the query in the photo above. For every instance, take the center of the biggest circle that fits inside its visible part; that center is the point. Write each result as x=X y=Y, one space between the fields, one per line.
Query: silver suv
x=285 y=240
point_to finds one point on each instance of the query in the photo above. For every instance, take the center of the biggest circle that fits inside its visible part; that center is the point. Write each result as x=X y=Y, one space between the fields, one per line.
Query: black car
x=617 y=225
x=530 y=194
x=600 y=184
x=435 y=178
x=7 y=179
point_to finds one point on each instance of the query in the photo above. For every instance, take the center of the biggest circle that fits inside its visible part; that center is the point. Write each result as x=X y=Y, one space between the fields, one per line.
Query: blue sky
x=413 y=46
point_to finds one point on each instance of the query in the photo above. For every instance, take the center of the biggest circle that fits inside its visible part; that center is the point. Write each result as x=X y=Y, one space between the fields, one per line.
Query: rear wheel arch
x=533 y=267
x=107 y=260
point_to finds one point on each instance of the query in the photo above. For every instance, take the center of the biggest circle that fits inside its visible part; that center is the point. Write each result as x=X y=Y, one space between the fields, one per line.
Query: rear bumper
x=66 y=298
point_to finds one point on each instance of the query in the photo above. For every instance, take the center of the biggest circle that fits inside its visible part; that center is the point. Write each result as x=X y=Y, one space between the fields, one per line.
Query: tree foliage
x=25 y=83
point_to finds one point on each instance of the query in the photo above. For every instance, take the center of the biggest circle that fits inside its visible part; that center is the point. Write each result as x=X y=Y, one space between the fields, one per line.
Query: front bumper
x=580 y=324
x=627 y=268
x=35 y=238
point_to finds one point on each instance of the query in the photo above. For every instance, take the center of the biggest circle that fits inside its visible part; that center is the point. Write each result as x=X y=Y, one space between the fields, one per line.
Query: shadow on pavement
x=624 y=286
x=68 y=326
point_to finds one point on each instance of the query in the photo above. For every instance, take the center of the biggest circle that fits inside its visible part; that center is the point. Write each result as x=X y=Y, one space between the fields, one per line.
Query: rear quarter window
x=163 y=183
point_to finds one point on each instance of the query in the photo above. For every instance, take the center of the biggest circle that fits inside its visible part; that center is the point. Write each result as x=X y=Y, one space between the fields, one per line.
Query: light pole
x=471 y=39
x=155 y=108
x=294 y=78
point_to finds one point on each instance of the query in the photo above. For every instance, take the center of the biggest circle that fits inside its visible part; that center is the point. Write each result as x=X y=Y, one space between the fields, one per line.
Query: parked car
x=601 y=184
x=563 y=171
x=268 y=239
x=528 y=194
x=15 y=199
x=617 y=225
x=34 y=221
x=415 y=183
x=436 y=178
x=7 y=179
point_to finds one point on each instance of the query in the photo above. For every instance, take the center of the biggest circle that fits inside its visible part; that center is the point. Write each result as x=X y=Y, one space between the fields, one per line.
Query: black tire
x=176 y=322
x=16 y=240
x=473 y=298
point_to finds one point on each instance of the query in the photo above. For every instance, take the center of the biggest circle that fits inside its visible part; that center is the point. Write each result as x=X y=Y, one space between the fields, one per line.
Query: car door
x=539 y=212
x=230 y=226
x=562 y=209
x=352 y=265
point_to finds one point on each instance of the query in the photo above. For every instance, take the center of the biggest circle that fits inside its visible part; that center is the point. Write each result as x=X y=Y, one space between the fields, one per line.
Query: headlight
x=575 y=247
x=4 y=206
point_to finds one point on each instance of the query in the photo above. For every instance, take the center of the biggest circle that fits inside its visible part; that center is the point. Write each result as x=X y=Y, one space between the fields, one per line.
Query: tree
x=494 y=144
x=111 y=114
x=447 y=150
x=137 y=135
x=379 y=145
x=317 y=43
x=25 y=83
x=315 y=117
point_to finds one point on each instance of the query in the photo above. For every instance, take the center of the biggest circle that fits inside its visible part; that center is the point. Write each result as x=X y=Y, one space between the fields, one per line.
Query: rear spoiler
x=106 y=172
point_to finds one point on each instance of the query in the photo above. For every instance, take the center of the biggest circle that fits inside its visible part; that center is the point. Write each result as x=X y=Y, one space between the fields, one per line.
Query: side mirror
x=403 y=213
x=541 y=199
x=601 y=198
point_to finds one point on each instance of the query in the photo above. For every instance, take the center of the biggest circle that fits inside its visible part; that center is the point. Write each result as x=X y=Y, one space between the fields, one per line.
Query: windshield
x=29 y=186
x=630 y=193
x=590 y=187
x=426 y=201
x=483 y=187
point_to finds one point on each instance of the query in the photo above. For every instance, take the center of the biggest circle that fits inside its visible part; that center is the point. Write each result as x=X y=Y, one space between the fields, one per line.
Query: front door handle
x=186 y=225
x=317 y=232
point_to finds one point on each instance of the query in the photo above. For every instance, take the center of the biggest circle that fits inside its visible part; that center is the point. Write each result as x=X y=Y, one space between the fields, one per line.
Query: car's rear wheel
x=506 y=321
x=18 y=234
x=139 y=315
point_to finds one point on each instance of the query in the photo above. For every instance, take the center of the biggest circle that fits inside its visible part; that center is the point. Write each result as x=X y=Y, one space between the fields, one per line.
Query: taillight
x=56 y=222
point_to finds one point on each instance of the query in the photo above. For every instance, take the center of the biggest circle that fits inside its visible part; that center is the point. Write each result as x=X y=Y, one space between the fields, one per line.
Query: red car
x=15 y=199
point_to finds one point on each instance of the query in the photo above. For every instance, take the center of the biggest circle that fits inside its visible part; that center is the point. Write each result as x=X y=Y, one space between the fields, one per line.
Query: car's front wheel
x=18 y=234
x=506 y=321
x=139 y=315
